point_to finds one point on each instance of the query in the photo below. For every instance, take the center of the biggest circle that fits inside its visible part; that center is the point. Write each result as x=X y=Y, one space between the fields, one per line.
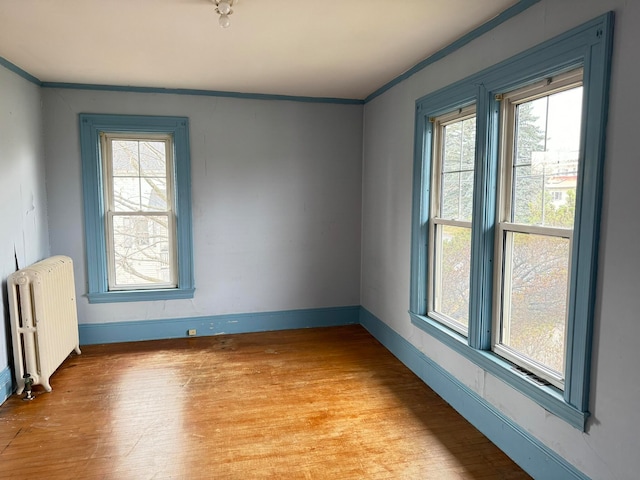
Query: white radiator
x=44 y=320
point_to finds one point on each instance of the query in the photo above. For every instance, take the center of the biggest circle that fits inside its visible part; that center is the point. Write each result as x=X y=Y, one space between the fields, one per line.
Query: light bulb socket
x=224 y=8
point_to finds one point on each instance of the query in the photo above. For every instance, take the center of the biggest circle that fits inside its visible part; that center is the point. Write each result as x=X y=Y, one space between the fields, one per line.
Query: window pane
x=125 y=157
x=126 y=194
x=452 y=282
x=141 y=247
x=154 y=194
x=457 y=196
x=459 y=145
x=153 y=159
x=535 y=297
x=458 y=157
x=547 y=149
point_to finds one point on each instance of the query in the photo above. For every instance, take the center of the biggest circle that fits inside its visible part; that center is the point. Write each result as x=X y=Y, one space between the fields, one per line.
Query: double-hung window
x=136 y=178
x=454 y=148
x=540 y=156
x=139 y=217
x=507 y=190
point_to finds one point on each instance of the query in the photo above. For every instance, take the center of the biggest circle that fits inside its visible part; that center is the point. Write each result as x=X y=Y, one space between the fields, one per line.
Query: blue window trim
x=589 y=46
x=91 y=125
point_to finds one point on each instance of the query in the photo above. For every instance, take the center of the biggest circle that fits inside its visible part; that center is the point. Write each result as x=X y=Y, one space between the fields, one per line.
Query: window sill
x=548 y=397
x=140 y=295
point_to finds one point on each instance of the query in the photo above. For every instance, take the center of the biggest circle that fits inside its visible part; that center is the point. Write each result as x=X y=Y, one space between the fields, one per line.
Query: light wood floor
x=327 y=403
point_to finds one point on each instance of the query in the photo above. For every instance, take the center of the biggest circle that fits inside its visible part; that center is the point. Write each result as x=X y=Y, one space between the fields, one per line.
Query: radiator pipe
x=28 y=381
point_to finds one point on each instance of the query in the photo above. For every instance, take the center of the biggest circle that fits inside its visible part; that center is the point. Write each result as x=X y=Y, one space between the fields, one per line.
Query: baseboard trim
x=529 y=453
x=217 y=324
x=6 y=384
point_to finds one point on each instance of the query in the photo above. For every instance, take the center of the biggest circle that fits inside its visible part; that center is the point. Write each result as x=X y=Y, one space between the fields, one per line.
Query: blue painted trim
x=91 y=125
x=484 y=216
x=510 y=12
x=6 y=383
x=444 y=101
x=590 y=46
x=217 y=324
x=206 y=93
x=582 y=290
x=547 y=396
x=16 y=69
x=529 y=453
x=140 y=295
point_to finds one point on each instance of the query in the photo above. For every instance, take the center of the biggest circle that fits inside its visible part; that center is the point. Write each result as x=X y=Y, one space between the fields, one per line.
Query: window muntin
x=139 y=218
x=540 y=157
x=453 y=156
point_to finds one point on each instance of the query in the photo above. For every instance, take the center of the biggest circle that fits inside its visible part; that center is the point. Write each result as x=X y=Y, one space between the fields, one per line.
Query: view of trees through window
x=453 y=242
x=545 y=170
x=543 y=193
x=139 y=212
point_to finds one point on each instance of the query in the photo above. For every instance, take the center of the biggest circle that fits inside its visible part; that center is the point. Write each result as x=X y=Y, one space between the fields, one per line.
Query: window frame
x=95 y=210
x=588 y=46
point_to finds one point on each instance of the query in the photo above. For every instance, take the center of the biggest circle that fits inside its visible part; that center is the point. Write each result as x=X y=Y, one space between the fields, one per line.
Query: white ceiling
x=336 y=48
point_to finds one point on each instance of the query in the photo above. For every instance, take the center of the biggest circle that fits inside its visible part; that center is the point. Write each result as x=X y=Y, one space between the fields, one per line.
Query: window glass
x=459 y=147
x=455 y=264
x=534 y=322
x=547 y=146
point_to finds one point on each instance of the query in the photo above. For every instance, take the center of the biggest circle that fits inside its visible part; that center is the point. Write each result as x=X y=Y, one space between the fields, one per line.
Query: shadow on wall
x=7 y=327
x=7 y=323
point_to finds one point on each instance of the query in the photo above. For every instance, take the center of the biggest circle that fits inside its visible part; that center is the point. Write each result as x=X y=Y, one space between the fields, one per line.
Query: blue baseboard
x=217 y=325
x=529 y=453
x=6 y=384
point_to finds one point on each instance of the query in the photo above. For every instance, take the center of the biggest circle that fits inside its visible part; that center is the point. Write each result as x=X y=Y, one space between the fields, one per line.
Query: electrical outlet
x=191 y=332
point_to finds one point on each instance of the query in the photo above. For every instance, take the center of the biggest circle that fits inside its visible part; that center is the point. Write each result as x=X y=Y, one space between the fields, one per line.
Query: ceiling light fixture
x=223 y=8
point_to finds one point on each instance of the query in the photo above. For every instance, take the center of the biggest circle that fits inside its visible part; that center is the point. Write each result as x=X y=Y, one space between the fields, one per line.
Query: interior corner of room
x=302 y=208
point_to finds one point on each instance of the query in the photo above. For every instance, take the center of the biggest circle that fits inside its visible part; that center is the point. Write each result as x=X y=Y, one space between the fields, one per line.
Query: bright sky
x=565 y=110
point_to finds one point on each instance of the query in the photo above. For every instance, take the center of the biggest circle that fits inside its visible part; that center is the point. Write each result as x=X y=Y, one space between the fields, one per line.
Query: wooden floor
x=327 y=403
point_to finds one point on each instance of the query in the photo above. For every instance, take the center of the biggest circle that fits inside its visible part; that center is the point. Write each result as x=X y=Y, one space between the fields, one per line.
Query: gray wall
x=609 y=449
x=276 y=195
x=23 y=208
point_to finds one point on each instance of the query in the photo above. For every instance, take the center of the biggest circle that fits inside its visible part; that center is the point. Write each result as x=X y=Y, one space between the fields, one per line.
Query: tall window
x=140 y=223
x=506 y=211
x=454 y=148
x=136 y=178
x=541 y=156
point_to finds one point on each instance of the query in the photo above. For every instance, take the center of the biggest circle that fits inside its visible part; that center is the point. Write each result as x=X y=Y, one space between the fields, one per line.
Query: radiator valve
x=28 y=381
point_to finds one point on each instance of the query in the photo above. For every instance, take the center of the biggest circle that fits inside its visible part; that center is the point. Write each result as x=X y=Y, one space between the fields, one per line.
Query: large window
x=541 y=156
x=506 y=209
x=137 y=207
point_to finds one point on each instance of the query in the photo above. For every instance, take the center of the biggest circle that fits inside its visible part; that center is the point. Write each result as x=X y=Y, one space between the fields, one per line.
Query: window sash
x=503 y=302
x=509 y=103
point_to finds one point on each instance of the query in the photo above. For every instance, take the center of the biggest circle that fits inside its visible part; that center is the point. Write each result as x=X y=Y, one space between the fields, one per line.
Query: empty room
x=357 y=239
